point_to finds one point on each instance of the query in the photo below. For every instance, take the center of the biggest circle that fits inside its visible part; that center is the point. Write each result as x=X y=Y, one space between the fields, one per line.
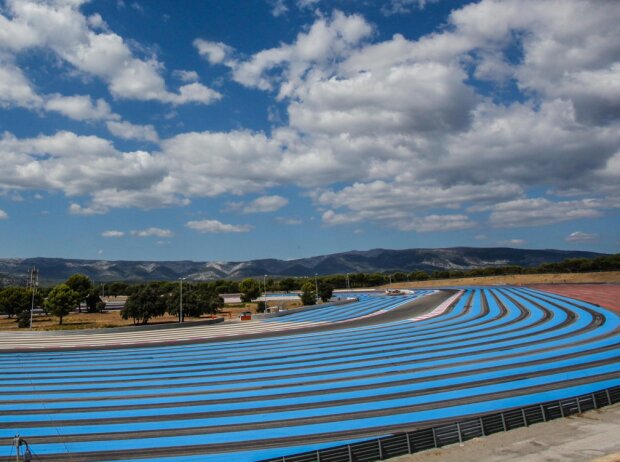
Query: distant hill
x=52 y=270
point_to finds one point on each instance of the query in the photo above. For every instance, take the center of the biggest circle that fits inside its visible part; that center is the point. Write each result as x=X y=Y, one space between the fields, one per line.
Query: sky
x=235 y=130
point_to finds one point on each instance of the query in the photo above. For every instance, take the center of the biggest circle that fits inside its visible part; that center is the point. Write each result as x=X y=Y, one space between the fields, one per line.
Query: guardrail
x=456 y=432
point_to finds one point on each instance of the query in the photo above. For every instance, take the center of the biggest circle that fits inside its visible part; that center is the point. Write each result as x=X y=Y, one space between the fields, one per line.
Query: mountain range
x=53 y=270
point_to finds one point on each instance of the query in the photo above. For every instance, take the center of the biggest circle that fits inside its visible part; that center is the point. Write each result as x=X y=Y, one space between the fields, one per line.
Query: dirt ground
x=592 y=436
x=518 y=279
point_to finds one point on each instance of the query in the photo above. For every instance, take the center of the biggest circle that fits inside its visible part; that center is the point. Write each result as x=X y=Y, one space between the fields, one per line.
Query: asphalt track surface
x=362 y=370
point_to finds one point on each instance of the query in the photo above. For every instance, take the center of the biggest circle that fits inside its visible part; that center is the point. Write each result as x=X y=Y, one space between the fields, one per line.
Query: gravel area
x=592 y=436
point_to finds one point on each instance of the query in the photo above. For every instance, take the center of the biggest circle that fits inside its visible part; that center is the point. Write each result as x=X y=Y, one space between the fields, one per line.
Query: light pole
x=34 y=280
x=181 y=299
x=390 y=276
x=265 y=292
x=348 y=285
x=316 y=285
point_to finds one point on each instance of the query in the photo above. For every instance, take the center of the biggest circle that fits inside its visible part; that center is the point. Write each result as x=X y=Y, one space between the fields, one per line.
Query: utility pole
x=34 y=283
x=316 y=285
x=181 y=300
x=265 y=292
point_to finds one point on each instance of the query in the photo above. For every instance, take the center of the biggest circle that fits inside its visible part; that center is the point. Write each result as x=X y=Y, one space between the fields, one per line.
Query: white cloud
x=77 y=209
x=193 y=93
x=278 y=8
x=540 y=211
x=186 y=76
x=214 y=52
x=131 y=131
x=262 y=204
x=3 y=215
x=79 y=107
x=512 y=242
x=389 y=131
x=404 y=6
x=15 y=89
x=88 y=46
x=215 y=226
x=112 y=233
x=580 y=236
x=152 y=232
x=289 y=221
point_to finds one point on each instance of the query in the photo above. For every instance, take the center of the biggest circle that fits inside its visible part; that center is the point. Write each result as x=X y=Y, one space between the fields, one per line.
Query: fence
x=456 y=432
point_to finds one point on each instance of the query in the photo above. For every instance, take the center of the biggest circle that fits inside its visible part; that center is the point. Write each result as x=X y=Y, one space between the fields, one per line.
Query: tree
x=14 y=300
x=288 y=284
x=308 y=294
x=325 y=291
x=145 y=303
x=250 y=290
x=61 y=300
x=198 y=299
x=81 y=284
x=94 y=303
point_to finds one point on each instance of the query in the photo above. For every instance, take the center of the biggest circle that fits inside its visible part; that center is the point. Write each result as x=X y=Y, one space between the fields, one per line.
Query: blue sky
x=234 y=130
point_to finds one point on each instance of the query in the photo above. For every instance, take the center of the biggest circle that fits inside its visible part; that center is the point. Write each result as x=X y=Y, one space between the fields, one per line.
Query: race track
x=329 y=376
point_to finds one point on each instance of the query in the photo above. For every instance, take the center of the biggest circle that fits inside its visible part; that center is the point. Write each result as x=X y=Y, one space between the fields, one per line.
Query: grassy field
x=518 y=279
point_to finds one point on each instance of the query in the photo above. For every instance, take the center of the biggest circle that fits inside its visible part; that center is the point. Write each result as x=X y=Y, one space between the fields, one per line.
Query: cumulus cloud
x=512 y=242
x=215 y=226
x=15 y=89
x=580 y=236
x=261 y=204
x=112 y=233
x=540 y=211
x=80 y=107
x=88 y=46
x=404 y=6
x=131 y=131
x=186 y=76
x=77 y=209
x=289 y=221
x=390 y=131
x=3 y=215
x=214 y=52
x=152 y=232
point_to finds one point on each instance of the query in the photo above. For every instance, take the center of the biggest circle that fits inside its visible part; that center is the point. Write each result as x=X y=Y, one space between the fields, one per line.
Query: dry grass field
x=113 y=318
x=519 y=279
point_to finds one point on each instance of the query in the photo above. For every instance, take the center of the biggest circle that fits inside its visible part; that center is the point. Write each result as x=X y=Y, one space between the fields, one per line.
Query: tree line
x=58 y=301
x=146 y=301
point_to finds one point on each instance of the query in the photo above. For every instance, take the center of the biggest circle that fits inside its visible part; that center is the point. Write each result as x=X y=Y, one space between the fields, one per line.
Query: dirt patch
x=518 y=279
x=592 y=436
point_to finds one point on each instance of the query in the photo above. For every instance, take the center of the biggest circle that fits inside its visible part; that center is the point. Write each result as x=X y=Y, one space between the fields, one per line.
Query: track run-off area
x=304 y=381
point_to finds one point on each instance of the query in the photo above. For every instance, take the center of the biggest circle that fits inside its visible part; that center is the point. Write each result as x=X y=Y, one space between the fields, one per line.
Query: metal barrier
x=456 y=432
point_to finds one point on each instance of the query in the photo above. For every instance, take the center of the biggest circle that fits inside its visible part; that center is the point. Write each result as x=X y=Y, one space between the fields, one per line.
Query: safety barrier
x=456 y=432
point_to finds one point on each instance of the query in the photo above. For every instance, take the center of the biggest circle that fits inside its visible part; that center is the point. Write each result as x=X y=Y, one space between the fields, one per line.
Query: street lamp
x=181 y=300
x=34 y=281
x=265 y=292
x=316 y=285
x=348 y=286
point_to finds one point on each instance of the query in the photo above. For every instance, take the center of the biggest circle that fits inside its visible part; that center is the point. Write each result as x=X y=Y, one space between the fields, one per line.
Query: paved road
x=359 y=371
